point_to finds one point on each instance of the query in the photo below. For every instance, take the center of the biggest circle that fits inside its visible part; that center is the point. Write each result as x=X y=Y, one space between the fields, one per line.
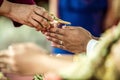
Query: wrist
x=95 y=38
x=5 y=8
x=90 y=46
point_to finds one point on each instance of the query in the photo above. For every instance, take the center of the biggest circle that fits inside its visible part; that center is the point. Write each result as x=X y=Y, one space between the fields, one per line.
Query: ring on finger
x=61 y=42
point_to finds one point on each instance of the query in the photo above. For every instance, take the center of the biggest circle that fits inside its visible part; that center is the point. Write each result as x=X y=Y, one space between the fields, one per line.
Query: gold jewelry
x=60 y=20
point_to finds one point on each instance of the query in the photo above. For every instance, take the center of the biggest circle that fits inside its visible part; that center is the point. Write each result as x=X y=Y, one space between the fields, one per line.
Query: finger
x=58 y=46
x=51 y=76
x=38 y=23
x=41 y=20
x=2 y=65
x=35 y=23
x=43 y=13
x=64 y=27
x=16 y=49
x=29 y=24
x=54 y=35
x=53 y=40
x=57 y=30
x=4 y=70
x=4 y=53
x=55 y=24
x=43 y=31
x=7 y=69
x=53 y=44
x=4 y=60
x=67 y=27
x=43 y=24
x=56 y=41
x=7 y=65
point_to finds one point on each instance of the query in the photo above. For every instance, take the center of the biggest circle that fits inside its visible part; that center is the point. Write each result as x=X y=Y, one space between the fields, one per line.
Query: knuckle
x=39 y=10
x=54 y=40
x=58 y=46
x=61 y=46
x=55 y=35
x=57 y=31
x=43 y=9
x=53 y=30
x=36 y=25
x=44 y=22
x=65 y=33
x=52 y=34
x=40 y=19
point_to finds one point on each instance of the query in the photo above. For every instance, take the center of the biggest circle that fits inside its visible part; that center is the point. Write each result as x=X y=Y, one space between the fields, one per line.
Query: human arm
x=30 y=2
x=30 y=15
x=53 y=7
x=28 y=59
x=73 y=39
x=111 y=16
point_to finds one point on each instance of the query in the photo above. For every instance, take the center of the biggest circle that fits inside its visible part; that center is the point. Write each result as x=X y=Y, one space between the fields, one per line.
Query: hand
x=29 y=59
x=22 y=58
x=73 y=39
x=30 y=15
x=51 y=76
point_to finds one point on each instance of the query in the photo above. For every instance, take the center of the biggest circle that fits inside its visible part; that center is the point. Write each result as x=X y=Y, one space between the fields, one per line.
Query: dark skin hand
x=74 y=39
x=31 y=15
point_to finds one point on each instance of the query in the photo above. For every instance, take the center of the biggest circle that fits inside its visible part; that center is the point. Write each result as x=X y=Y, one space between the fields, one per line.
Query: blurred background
x=10 y=34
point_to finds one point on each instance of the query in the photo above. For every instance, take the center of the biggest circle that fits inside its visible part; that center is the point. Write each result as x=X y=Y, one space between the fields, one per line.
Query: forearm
x=41 y=64
x=5 y=8
x=110 y=18
x=53 y=64
x=53 y=7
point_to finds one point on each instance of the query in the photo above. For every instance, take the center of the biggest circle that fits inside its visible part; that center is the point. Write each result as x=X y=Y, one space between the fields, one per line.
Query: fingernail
x=46 y=33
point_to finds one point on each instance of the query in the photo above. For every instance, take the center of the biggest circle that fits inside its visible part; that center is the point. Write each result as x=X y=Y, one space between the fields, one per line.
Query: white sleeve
x=90 y=46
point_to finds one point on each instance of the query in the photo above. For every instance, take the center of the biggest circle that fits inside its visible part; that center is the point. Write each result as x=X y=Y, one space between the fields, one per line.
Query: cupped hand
x=73 y=39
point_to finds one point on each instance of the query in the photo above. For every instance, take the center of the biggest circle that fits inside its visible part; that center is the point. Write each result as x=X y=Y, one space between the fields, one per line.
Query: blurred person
x=28 y=58
x=90 y=14
x=17 y=52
